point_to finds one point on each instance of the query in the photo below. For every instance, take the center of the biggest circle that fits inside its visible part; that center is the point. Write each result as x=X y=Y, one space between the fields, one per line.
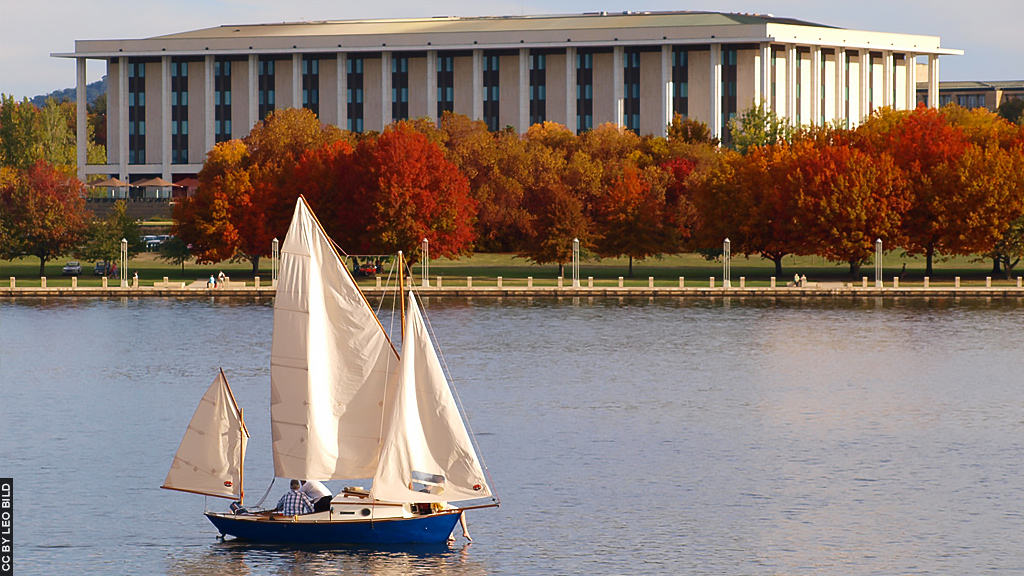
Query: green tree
x=690 y=131
x=20 y=133
x=104 y=235
x=1012 y=109
x=57 y=134
x=1009 y=250
x=758 y=126
x=176 y=251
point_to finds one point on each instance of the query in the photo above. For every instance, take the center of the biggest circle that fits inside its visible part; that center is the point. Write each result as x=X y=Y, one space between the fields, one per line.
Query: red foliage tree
x=630 y=218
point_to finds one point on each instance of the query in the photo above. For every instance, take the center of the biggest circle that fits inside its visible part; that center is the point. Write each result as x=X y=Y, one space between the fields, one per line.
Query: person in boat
x=294 y=502
x=318 y=494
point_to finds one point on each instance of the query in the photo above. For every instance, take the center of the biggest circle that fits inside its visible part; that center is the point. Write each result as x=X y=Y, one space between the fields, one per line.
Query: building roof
x=486 y=24
x=978 y=85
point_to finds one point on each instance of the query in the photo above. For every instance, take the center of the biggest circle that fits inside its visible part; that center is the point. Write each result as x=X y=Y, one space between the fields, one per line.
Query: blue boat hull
x=433 y=529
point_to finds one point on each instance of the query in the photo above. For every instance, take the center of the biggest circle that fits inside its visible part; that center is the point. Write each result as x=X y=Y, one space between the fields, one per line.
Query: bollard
x=469 y=281
x=529 y=281
x=956 y=282
x=895 y=281
x=926 y=281
x=42 y=282
x=378 y=281
x=165 y=282
x=438 y=281
x=499 y=281
x=650 y=281
x=988 y=281
x=620 y=282
x=864 y=282
x=743 y=281
x=1019 y=285
x=772 y=281
x=104 y=281
x=712 y=282
x=74 y=282
x=682 y=282
x=12 y=282
x=560 y=278
x=256 y=282
x=590 y=281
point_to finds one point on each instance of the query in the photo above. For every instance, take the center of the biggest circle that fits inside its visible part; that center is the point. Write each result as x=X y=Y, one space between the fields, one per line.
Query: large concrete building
x=171 y=98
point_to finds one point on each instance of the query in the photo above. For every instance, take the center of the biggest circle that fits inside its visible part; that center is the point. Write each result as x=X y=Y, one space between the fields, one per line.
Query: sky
x=989 y=31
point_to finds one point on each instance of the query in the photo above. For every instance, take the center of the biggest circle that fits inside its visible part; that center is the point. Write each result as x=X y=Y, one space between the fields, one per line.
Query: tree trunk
x=778 y=265
x=42 y=266
x=854 y=268
x=561 y=270
x=630 y=266
x=929 y=255
x=255 y=265
x=995 y=266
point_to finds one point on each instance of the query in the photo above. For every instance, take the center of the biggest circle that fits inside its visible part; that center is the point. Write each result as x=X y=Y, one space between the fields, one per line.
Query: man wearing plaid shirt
x=294 y=502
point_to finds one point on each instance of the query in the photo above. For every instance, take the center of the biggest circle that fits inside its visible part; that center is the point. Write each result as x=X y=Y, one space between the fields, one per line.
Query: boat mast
x=243 y=433
x=401 y=292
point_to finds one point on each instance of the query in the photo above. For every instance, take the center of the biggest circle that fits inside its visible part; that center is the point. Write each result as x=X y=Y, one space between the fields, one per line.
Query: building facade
x=172 y=98
x=973 y=94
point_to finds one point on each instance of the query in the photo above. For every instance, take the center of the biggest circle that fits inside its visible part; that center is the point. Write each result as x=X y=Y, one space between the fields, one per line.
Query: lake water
x=668 y=437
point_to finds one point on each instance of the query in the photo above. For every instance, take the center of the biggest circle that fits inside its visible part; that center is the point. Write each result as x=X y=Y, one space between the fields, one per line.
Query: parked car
x=72 y=269
x=366 y=269
x=102 y=268
x=152 y=242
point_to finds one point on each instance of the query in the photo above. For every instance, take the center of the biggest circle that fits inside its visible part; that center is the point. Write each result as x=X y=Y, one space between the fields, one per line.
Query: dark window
x=311 y=84
x=445 y=85
x=821 y=88
x=631 y=89
x=584 y=91
x=492 y=91
x=798 y=85
x=222 y=100
x=136 y=111
x=266 y=86
x=399 y=88
x=179 y=111
x=538 y=88
x=774 y=77
x=729 y=74
x=354 y=70
x=680 y=80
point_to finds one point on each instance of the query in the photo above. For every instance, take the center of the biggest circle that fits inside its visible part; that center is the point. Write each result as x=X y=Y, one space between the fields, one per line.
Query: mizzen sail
x=426 y=446
x=209 y=459
x=331 y=363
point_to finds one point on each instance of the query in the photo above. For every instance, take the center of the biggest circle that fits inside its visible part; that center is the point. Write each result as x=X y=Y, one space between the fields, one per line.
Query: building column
x=122 y=120
x=816 y=111
x=209 y=135
x=432 y=85
x=341 y=85
x=865 y=87
x=791 y=82
x=911 y=95
x=165 y=117
x=764 y=84
x=618 y=85
x=887 y=79
x=524 y=90
x=715 y=75
x=667 y=87
x=81 y=129
x=253 y=100
x=570 y=89
x=840 y=87
x=478 y=84
x=933 y=80
x=296 y=81
x=385 y=90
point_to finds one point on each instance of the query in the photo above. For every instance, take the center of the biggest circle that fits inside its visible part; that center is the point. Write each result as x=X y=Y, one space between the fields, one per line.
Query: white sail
x=209 y=459
x=426 y=446
x=330 y=363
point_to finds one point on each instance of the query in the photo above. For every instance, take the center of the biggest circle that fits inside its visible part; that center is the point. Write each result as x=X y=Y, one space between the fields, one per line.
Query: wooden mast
x=243 y=433
x=401 y=292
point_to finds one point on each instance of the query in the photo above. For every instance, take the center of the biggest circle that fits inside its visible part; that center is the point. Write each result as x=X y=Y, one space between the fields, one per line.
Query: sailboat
x=344 y=405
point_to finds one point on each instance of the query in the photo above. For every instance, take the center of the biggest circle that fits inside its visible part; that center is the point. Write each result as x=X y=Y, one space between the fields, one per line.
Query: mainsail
x=209 y=459
x=426 y=446
x=331 y=363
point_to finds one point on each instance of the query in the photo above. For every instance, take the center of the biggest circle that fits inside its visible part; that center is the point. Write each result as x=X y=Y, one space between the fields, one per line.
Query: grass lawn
x=486 y=268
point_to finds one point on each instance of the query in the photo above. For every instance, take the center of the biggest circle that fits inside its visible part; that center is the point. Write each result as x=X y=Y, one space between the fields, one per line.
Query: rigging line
x=458 y=401
x=387 y=370
x=385 y=291
x=265 y=494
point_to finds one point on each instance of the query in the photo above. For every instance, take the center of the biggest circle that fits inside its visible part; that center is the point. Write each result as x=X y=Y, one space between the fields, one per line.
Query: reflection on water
x=726 y=436
x=235 y=558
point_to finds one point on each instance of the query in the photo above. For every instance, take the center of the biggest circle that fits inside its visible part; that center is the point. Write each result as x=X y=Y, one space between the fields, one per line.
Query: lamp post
x=425 y=267
x=726 y=264
x=575 y=262
x=878 y=263
x=124 y=263
x=275 y=255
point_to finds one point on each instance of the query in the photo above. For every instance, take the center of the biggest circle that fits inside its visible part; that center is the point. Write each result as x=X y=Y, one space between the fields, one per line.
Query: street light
x=878 y=263
x=425 y=267
x=575 y=262
x=726 y=264
x=124 y=263
x=275 y=255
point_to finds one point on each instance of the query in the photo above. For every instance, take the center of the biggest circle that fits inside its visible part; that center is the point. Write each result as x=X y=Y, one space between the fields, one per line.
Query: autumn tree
x=1009 y=249
x=43 y=212
x=690 y=131
x=630 y=218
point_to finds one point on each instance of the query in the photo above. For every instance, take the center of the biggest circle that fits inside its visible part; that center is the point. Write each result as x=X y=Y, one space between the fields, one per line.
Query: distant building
x=171 y=98
x=973 y=94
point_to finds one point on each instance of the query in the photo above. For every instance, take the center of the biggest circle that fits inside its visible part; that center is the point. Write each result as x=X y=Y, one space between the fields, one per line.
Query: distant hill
x=92 y=92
